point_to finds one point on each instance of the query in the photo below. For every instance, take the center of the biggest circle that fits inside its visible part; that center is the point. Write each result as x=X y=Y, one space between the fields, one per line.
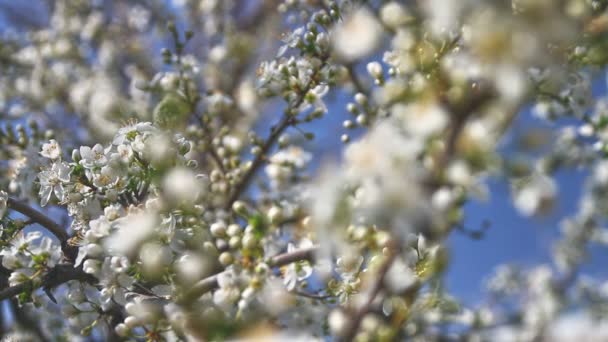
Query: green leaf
x=259 y=224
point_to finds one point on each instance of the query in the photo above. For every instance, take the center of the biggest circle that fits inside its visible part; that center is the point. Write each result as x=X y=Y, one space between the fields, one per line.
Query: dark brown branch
x=14 y=290
x=37 y=217
x=58 y=275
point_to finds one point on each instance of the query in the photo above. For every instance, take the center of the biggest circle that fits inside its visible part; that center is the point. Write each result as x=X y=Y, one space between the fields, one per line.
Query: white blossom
x=325 y=157
x=130 y=132
x=131 y=231
x=52 y=181
x=93 y=157
x=228 y=292
x=296 y=272
x=535 y=195
x=361 y=24
x=51 y=150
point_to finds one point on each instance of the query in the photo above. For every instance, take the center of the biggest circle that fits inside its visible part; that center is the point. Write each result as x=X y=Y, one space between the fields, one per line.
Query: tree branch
x=210 y=283
x=312 y=295
x=357 y=315
x=288 y=258
x=58 y=275
x=276 y=131
x=37 y=217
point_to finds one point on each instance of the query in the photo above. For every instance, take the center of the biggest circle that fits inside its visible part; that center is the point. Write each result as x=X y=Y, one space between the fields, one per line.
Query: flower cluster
x=185 y=211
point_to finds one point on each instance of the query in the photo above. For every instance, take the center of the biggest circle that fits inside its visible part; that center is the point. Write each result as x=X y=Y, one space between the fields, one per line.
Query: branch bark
x=37 y=217
x=58 y=275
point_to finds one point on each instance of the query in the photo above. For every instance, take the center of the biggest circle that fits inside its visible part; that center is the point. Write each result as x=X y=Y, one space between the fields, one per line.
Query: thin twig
x=312 y=295
x=357 y=315
x=217 y=159
x=241 y=186
x=287 y=120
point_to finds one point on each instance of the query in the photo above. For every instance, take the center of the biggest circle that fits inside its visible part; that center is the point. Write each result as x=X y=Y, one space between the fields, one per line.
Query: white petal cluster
x=357 y=36
x=536 y=195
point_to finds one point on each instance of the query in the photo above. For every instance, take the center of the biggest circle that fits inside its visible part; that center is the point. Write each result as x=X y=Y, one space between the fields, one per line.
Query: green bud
x=184 y=148
x=240 y=208
x=171 y=27
x=172 y=112
x=32 y=124
x=48 y=134
x=166 y=54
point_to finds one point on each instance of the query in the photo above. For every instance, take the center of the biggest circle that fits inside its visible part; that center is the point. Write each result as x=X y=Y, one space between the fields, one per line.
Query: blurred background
x=85 y=87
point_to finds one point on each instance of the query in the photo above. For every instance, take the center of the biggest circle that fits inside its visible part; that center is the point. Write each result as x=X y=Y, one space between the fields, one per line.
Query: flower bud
x=375 y=70
x=226 y=258
x=249 y=241
x=234 y=242
x=122 y=330
x=218 y=229
x=275 y=214
x=233 y=230
x=131 y=321
x=240 y=208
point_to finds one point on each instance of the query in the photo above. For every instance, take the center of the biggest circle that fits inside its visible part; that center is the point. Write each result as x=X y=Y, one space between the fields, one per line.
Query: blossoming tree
x=157 y=180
